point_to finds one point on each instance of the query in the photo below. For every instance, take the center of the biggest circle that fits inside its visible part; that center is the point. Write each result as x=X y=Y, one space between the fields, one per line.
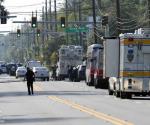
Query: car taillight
x=99 y=72
x=92 y=71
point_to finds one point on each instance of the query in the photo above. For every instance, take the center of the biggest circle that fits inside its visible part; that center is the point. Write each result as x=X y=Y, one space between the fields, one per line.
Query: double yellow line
x=108 y=118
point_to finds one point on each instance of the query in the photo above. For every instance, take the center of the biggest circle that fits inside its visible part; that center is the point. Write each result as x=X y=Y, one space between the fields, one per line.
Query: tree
x=53 y=58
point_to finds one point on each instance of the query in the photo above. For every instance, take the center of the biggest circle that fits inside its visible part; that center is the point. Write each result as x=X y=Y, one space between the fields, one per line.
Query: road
x=67 y=103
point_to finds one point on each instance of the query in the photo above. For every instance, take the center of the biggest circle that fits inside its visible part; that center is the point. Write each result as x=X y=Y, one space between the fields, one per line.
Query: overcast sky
x=17 y=7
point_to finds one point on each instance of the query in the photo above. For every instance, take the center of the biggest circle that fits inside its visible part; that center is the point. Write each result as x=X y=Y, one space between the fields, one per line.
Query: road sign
x=78 y=29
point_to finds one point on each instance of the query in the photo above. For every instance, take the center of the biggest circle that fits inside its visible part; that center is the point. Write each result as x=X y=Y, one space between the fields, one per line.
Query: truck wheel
x=129 y=95
x=96 y=83
x=117 y=93
x=90 y=82
x=144 y=94
x=137 y=94
x=87 y=83
x=122 y=95
x=110 y=92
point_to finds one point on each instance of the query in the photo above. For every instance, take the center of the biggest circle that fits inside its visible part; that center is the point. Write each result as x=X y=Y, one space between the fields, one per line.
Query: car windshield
x=82 y=67
x=3 y=66
x=21 y=68
x=41 y=68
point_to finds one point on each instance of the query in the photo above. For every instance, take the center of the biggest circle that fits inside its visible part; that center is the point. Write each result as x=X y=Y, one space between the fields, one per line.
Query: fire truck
x=127 y=64
x=71 y=55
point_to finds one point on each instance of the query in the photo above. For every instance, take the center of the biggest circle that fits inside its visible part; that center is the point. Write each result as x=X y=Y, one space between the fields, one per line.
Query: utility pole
x=43 y=31
x=50 y=13
x=118 y=17
x=55 y=8
x=75 y=19
x=46 y=17
x=38 y=44
x=80 y=19
x=29 y=44
x=148 y=13
x=66 y=20
x=94 y=21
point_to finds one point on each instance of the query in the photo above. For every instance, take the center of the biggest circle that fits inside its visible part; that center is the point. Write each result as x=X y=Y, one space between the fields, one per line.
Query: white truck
x=127 y=64
x=94 y=65
x=70 y=55
x=111 y=62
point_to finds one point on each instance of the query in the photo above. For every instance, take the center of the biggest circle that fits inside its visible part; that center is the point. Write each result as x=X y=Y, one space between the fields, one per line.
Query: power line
x=98 y=7
x=123 y=19
x=23 y=12
x=113 y=32
x=25 y=5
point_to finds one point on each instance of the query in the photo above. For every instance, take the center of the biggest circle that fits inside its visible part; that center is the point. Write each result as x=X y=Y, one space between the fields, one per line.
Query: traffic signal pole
x=67 y=37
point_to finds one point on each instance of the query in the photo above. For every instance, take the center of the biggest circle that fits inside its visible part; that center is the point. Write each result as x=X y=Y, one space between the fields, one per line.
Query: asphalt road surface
x=67 y=103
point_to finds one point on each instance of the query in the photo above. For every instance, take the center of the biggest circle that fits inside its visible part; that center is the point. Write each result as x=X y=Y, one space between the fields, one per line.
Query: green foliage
x=131 y=12
x=133 y=15
x=53 y=58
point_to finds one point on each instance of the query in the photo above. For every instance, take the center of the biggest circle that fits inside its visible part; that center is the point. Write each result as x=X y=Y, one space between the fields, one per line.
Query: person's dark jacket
x=30 y=76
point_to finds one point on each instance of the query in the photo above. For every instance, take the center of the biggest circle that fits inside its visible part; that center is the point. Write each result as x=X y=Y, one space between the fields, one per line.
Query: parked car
x=3 y=68
x=19 y=64
x=81 y=72
x=21 y=71
x=1 y=71
x=11 y=69
x=41 y=73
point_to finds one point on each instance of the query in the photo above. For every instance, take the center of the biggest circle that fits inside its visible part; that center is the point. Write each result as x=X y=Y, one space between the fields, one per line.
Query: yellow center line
x=113 y=120
x=108 y=118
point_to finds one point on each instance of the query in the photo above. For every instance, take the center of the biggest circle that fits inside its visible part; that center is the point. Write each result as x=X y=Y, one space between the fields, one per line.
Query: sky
x=19 y=8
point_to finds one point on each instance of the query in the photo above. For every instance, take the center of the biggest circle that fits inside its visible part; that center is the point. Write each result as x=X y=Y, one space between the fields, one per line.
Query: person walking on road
x=30 y=78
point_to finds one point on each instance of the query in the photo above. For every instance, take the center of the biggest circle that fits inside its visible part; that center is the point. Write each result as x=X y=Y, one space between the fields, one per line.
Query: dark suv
x=11 y=69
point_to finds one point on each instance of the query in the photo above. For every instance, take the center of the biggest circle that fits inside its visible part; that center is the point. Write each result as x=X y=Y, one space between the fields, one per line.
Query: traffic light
x=34 y=22
x=38 y=32
x=18 y=32
x=3 y=17
x=104 y=20
x=62 y=19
